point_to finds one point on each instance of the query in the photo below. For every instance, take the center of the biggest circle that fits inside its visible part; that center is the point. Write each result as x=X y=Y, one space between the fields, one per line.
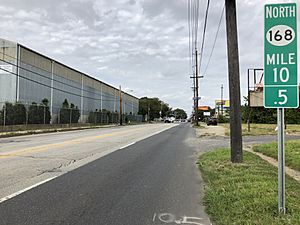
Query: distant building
x=222 y=107
x=27 y=76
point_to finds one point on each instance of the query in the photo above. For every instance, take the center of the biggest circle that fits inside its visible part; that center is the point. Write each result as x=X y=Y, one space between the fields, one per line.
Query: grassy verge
x=245 y=193
x=264 y=129
x=292 y=152
x=255 y=129
x=200 y=126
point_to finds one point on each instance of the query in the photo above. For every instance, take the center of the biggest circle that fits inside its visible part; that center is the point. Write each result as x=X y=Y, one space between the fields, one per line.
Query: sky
x=142 y=45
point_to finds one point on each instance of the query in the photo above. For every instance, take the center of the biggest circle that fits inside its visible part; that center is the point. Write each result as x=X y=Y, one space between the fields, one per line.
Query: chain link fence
x=22 y=116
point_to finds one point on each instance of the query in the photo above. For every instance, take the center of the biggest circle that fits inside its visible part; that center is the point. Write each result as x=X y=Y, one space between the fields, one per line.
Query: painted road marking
x=171 y=219
x=125 y=146
x=62 y=144
x=154 y=217
x=47 y=147
x=25 y=189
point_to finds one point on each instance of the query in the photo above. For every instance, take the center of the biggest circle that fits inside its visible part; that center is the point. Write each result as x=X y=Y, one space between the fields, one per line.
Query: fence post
x=4 y=115
x=44 y=115
x=59 y=116
x=70 y=116
x=26 y=118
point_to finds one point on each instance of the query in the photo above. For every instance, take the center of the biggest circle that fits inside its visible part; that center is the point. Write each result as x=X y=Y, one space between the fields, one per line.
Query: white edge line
x=125 y=146
x=51 y=178
x=25 y=189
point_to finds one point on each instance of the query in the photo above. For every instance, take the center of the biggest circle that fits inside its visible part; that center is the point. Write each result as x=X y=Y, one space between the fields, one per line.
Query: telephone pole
x=234 y=83
x=197 y=91
x=222 y=99
x=121 y=108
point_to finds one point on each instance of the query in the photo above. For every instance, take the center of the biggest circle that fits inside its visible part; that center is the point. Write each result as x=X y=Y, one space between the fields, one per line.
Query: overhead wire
x=215 y=39
x=203 y=36
x=46 y=77
x=54 y=88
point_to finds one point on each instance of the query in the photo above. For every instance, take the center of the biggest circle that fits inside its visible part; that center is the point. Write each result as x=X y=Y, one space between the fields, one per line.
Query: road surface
x=136 y=175
x=155 y=180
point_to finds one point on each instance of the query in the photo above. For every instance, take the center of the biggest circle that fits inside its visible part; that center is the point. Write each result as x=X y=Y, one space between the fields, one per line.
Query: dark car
x=212 y=121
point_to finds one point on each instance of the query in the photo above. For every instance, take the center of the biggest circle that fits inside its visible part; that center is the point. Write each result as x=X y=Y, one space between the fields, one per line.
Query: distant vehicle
x=169 y=119
x=212 y=121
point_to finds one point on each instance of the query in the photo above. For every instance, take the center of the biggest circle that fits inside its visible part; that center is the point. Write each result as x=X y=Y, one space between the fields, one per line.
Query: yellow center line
x=62 y=144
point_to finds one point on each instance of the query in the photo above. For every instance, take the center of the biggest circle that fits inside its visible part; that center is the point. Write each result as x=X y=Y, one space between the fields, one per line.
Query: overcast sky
x=142 y=45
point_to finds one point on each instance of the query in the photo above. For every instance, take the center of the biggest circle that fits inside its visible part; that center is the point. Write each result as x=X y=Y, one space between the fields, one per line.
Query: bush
x=223 y=119
x=39 y=114
x=15 y=114
x=100 y=117
x=69 y=113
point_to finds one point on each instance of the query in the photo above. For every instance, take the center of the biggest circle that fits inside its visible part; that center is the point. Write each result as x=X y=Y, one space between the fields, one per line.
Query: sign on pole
x=280 y=74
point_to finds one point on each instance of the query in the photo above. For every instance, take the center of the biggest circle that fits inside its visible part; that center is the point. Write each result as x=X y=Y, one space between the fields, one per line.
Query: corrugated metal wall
x=8 y=81
x=35 y=79
x=42 y=77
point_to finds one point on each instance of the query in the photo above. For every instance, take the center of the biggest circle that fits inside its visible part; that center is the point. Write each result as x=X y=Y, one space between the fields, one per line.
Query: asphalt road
x=27 y=160
x=154 y=181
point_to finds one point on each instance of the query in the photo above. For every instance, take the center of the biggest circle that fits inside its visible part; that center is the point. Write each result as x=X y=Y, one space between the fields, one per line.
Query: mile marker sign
x=280 y=66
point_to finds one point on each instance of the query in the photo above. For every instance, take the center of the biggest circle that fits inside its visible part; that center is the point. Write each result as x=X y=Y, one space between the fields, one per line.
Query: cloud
x=139 y=44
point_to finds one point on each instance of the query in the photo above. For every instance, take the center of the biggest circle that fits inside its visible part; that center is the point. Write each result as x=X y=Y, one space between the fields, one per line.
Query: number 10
x=282 y=71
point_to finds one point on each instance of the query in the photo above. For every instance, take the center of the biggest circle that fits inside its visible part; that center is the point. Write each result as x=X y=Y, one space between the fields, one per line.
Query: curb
x=291 y=172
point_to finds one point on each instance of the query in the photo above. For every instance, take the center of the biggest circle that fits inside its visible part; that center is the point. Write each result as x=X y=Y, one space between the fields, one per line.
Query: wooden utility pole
x=197 y=91
x=121 y=108
x=222 y=99
x=234 y=83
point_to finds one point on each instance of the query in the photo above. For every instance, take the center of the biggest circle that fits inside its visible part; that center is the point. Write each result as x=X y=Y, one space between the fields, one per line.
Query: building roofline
x=69 y=67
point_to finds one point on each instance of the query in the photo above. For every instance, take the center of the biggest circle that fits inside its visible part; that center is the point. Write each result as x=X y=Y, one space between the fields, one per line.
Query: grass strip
x=245 y=193
x=292 y=152
x=263 y=129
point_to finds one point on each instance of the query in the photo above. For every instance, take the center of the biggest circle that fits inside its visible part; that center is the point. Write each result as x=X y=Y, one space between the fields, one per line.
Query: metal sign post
x=281 y=76
x=281 y=161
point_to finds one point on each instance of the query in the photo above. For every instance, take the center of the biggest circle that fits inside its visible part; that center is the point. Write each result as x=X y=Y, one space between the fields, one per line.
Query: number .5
x=282 y=94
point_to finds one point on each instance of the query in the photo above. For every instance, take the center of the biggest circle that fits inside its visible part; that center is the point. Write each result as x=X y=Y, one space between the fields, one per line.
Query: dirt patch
x=210 y=131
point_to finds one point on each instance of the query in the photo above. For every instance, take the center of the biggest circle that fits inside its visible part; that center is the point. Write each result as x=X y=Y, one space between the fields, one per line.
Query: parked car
x=212 y=121
x=169 y=119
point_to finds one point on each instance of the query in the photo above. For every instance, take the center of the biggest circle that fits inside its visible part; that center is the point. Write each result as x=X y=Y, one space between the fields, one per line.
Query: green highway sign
x=280 y=59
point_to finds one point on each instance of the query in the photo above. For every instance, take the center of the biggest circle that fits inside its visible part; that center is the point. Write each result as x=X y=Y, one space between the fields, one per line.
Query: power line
x=41 y=75
x=215 y=40
x=189 y=24
x=54 y=88
x=203 y=37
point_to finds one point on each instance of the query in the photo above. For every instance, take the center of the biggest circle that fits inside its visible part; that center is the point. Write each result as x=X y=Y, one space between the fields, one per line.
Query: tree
x=45 y=104
x=153 y=106
x=179 y=113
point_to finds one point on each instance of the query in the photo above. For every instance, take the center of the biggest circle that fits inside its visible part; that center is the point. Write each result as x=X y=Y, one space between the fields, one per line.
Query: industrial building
x=27 y=76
